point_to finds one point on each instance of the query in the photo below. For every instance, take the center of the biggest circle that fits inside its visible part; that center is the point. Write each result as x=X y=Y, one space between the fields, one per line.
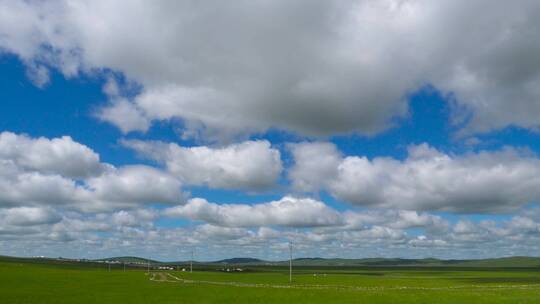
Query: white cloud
x=322 y=222
x=288 y=211
x=61 y=156
x=20 y=187
x=60 y=172
x=315 y=163
x=38 y=74
x=396 y=219
x=221 y=233
x=133 y=185
x=28 y=216
x=312 y=67
x=251 y=165
x=125 y=116
x=134 y=218
x=382 y=233
x=426 y=180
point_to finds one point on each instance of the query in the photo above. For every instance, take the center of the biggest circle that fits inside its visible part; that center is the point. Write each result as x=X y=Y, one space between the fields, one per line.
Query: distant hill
x=240 y=261
x=504 y=262
x=382 y=262
x=517 y=262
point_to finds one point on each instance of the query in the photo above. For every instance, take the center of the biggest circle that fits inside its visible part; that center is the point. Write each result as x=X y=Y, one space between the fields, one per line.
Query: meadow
x=51 y=282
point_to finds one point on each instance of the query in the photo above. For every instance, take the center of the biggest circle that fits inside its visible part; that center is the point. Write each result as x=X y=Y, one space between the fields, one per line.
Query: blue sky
x=213 y=138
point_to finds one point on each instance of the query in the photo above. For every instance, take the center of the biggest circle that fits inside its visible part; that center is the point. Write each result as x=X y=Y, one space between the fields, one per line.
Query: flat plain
x=31 y=281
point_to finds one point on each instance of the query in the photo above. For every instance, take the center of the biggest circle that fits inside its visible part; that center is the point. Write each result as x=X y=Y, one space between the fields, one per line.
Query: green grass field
x=45 y=282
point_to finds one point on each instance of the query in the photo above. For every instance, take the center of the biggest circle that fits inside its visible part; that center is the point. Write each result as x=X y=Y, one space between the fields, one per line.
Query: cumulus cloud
x=367 y=233
x=314 y=162
x=133 y=185
x=61 y=156
x=28 y=216
x=315 y=68
x=21 y=187
x=320 y=222
x=427 y=179
x=288 y=211
x=38 y=172
x=125 y=116
x=395 y=219
x=122 y=113
x=134 y=218
x=311 y=67
x=251 y=165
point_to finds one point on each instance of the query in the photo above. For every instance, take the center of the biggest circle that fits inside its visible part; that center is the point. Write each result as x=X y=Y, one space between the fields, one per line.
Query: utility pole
x=191 y=262
x=148 y=262
x=109 y=266
x=290 y=262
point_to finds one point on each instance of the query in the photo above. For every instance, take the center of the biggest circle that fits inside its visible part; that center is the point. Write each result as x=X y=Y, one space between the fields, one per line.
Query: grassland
x=30 y=281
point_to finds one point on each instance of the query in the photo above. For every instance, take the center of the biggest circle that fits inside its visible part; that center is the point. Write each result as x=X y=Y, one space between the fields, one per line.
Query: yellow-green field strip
x=167 y=277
